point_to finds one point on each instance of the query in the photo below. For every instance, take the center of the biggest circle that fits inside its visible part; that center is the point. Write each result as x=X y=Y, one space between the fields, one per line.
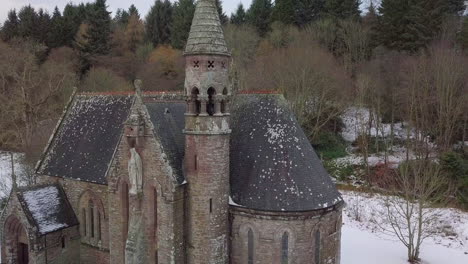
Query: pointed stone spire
x=206 y=34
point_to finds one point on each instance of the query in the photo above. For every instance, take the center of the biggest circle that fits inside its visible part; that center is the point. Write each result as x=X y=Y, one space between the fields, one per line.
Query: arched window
x=223 y=103
x=317 y=247
x=91 y=218
x=250 y=246
x=83 y=222
x=285 y=248
x=125 y=211
x=195 y=103
x=98 y=226
x=210 y=107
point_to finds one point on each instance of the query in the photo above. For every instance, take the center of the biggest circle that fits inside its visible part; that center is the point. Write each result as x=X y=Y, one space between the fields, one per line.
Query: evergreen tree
x=133 y=11
x=222 y=16
x=10 y=27
x=121 y=17
x=410 y=25
x=73 y=16
x=56 y=34
x=239 y=17
x=259 y=16
x=158 y=22
x=284 y=11
x=99 y=28
x=342 y=9
x=463 y=37
x=43 y=27
x=455 y=7
x=370 y=19
x=181 y=22
x=28 y=21
x=308 y=11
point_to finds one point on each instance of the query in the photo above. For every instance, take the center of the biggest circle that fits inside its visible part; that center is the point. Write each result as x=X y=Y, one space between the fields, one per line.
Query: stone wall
x=268 y=229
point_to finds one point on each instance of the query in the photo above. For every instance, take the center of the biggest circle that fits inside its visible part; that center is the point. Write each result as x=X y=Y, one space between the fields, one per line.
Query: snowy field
x=364 y=243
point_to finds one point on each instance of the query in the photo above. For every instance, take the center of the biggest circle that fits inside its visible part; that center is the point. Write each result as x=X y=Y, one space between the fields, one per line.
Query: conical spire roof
x=206 y=34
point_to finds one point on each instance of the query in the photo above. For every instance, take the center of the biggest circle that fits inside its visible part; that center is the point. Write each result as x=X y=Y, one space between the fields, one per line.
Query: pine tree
x=181 y=22
x=222 y=16
x=239 y=17
x=28 y=21
x=463 y=37
x=259 y=15
x=99 y=28
x=308 y=11
x=56 y=34
x=158 y=22
x=73 y=17
x=284 y=11
x=121 y=17
x=10 y=27
x=410 y=25
x=133 y=11
x=43 y=27
x=370 y=19
x=454 y=7
x=342 y=9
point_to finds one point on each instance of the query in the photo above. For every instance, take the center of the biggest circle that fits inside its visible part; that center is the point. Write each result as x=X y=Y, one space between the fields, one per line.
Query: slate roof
x=169 y=120
x=47 y=208
x=273 y=165
x=206 y=34
x=85 y=142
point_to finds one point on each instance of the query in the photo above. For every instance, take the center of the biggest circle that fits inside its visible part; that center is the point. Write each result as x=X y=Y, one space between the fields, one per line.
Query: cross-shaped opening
x=196 y=64
x=211 y=64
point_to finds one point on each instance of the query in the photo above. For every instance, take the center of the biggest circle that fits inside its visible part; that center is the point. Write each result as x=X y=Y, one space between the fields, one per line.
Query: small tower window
x=285 y=248
x=195 y=103
x=317 y=247
x=250 y=246
x=62 y=241
x=210 y=107
x=211 y=205
x=196 y=64
x=223 y=103
x=211 y=64
x=223 y=65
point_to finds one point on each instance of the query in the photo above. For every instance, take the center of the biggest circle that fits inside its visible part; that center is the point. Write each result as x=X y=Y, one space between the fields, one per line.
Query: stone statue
x=135 y=172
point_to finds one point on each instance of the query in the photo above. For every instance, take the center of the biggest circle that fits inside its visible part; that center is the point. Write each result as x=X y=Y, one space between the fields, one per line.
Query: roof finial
x=138 y=84
x=206 y=34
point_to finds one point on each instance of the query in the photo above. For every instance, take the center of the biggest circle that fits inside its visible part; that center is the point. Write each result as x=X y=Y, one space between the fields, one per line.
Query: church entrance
x=23 y=253
x=16 y=242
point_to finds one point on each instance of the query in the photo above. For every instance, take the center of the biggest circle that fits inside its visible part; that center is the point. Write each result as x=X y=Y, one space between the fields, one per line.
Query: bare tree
x=408 y=212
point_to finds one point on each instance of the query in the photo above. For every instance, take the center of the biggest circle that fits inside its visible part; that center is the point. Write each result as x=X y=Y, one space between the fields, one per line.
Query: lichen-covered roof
x=84 y=144
x=168 y=120
x=273 y=165
x=206 y=34
x=47 y=208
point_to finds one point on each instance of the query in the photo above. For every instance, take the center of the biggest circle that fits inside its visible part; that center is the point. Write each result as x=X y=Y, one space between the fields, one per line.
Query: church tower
x=207 y=134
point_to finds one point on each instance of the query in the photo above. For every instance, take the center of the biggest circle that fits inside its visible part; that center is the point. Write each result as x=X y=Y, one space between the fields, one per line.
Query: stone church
x=199 y=177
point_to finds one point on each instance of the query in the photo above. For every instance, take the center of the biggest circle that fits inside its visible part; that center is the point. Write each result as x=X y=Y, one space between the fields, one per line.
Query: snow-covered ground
x=363 y=241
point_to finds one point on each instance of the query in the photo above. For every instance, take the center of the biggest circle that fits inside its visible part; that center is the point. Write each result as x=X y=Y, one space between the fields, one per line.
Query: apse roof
x=273 y=165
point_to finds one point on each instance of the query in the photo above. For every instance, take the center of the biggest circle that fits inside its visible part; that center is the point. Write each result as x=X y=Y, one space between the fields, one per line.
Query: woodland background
x=404 y=61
